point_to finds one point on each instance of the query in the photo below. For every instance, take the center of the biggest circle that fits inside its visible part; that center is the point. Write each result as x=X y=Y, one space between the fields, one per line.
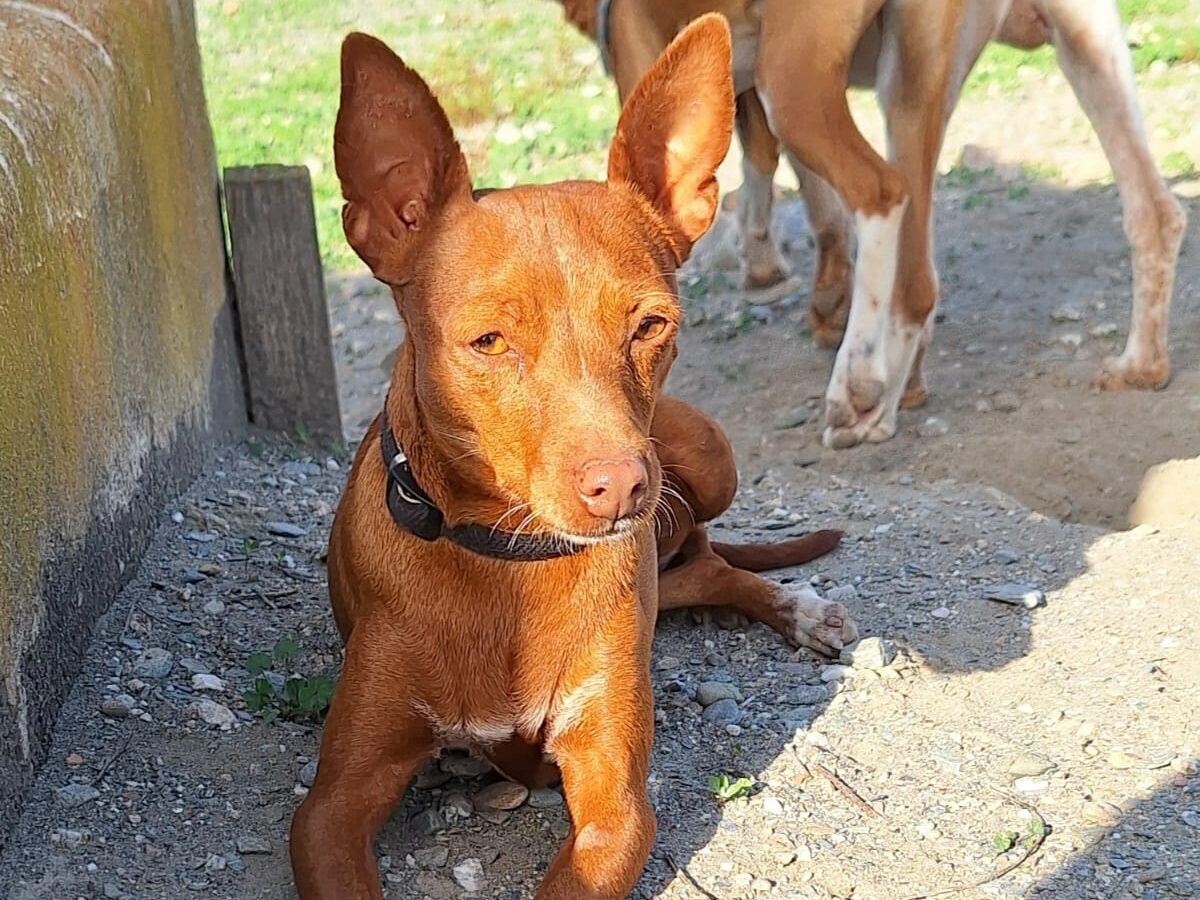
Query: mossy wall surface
x=118 y=364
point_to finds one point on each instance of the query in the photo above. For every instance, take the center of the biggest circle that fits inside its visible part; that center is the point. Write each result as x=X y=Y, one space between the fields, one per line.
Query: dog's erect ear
x=674 y=130
x=396 y=157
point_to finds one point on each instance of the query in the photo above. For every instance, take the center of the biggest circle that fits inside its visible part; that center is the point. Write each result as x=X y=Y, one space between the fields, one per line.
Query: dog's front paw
x=821 y=625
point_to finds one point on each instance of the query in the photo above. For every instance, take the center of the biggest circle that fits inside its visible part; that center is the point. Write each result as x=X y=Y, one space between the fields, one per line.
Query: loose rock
x=286 y=529
x=709 y=692
x=869 y=653
x=469 y=875
x=545 y=798
x=217 y=714
x=248 y=844
x=153 y=663
x=73 y=795
x=723 y=712
x=503 y=795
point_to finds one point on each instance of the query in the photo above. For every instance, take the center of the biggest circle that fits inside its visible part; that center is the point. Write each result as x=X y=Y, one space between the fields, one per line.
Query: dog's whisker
x=511 y=511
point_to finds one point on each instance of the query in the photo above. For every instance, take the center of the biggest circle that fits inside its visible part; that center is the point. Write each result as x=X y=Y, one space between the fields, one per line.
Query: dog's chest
x=537 y=715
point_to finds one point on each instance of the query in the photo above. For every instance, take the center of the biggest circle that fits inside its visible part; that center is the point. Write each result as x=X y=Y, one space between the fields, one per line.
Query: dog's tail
x=763 y=557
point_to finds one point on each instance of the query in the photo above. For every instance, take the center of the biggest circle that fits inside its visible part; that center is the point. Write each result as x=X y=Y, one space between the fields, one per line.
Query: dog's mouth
x=618 y=532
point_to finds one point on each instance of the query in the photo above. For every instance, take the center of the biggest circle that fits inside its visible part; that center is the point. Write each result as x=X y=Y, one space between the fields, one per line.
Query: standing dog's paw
x=814 y=622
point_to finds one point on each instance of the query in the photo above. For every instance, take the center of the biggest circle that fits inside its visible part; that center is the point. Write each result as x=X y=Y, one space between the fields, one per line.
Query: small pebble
x=252 y=844
x=940 y=613
x=1028 y=785
x=545 y=798
x=308 y=773
x=73 y=795
x=216 y=714
x=933 y=427
x=723 y=712
x=154 y=663
x=1015 y=594
x=794 y=419
x=869 y=653
x=117 y=707
x=431 y=857
x=709 y=692
x=469 y=875
x=503 y=795
x=286 y=529
x=214 y=607
x=202 y=682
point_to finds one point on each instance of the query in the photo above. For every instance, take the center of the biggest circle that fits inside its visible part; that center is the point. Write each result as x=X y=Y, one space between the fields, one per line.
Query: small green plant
x=1003 y=841
x=1018 y=192
x=302 y=435
x=726 y=789
x=249 y=547
x=301 y=697
x=1035 y=833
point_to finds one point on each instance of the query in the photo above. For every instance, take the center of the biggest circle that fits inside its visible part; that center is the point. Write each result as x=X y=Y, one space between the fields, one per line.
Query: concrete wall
x=118 y=362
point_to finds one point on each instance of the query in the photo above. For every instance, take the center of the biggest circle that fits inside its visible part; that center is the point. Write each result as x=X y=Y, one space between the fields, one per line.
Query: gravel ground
x=863 y=782
x=884 y=783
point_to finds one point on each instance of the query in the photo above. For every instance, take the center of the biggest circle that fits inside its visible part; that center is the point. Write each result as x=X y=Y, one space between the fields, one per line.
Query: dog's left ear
x=396 y=157
x=675 y=128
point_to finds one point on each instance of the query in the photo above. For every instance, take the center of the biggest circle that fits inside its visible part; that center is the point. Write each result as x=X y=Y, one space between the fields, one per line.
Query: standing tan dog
x=793 y=60
x=540 y=325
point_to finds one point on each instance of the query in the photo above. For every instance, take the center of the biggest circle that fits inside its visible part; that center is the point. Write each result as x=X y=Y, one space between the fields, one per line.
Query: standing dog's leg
x=760 y=159
x=605 y=756
x=373 y=745
x=1092 y=52
x=832 y=227
x=803 y=67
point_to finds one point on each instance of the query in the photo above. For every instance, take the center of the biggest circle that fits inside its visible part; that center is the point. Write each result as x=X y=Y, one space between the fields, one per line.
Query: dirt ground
x=1059 y=741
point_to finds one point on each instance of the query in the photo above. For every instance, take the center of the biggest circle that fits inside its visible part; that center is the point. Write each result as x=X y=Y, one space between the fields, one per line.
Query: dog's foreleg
x=373 y=745
x=1093 y=54
x=604 y=757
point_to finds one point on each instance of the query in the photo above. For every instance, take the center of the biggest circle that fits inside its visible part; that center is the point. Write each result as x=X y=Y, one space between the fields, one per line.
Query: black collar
x=413 y=511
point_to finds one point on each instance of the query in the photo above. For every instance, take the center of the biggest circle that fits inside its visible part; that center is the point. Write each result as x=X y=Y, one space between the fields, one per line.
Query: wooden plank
x=281 y=302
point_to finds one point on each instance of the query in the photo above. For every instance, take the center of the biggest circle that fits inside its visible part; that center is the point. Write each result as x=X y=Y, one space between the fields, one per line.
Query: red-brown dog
x=540 y=325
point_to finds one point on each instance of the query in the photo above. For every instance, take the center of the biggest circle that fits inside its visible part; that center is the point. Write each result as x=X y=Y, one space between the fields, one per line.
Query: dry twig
x=1030 y=850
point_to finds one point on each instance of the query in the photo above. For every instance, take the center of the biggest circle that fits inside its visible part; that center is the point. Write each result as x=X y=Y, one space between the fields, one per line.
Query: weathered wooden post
x=281 y=300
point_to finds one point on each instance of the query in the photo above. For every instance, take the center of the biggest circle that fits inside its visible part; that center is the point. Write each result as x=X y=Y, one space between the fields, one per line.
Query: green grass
x=1166 y=31
x=525 y=91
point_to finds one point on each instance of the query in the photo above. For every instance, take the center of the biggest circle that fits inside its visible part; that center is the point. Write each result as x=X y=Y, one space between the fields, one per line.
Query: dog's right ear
x=396 y=157
x=675 y=130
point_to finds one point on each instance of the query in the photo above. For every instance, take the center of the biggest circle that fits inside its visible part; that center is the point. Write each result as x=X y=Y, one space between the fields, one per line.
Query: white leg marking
x=877 y=353
x=819 y=624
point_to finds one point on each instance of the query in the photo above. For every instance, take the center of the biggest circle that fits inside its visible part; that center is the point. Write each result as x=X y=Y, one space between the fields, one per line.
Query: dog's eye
x=491 y=344
x=650 y=328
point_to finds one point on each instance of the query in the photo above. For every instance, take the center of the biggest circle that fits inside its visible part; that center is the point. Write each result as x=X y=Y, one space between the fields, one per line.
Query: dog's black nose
x=613 y=489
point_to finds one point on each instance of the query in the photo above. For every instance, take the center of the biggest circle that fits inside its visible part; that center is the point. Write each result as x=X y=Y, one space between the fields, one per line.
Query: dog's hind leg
x=1093 y=54
x=760 y=159
x=832 y=230
x=702 y=578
